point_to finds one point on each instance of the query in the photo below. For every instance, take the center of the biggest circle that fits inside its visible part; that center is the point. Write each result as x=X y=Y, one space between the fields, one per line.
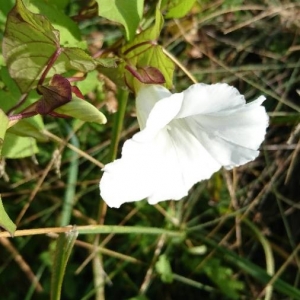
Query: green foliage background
x=236 y=236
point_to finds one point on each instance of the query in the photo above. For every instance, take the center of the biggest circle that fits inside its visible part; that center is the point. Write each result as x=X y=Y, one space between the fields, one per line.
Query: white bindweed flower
x=184 y=138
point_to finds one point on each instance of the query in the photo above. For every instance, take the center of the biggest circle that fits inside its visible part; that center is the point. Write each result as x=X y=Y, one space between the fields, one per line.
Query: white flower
x=184 y=138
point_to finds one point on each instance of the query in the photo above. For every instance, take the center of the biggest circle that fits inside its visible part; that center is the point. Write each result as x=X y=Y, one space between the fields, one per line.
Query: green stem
x=116 y=229
x=99 y=278
x=268 y=253
x=118 y=123
x=71 y=183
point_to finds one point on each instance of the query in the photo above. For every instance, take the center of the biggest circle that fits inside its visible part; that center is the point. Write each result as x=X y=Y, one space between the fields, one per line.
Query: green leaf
x=3 y=127
x=76 y=59
x=223 y=277
x=154 y=57
x=127 y=13
x=64 y=245
x=90 y=83
x=108 y=62
x=6 y=6
x=5 y=221
x=82 y=110
x=149 y=35
x=114 y=74
x=70 y=34
x=9 y=96
x=29 y=41
x=163 y=267
x=29 y=128
x=179 y=8
x=11 y=89
x=18 y=147
x=61 y=4
x=143 y=52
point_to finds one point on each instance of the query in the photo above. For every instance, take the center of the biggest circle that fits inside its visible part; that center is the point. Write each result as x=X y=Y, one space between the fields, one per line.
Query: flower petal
x=147 y=97
x=233 y=136
x=146 y=170
x=228 y=155
x=127 y=179
x=163 y=111
x=201 y=98
x=245 y=125
x=196 y=163
x=163 y=168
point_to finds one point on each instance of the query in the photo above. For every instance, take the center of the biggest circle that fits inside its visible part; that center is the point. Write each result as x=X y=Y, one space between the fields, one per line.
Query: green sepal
x=82 y=110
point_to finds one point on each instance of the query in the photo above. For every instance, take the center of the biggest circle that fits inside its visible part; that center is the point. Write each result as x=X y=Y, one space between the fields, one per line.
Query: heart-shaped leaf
x=69 y=32
x=144 y=52
x=31 y=45
x=29 y=41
